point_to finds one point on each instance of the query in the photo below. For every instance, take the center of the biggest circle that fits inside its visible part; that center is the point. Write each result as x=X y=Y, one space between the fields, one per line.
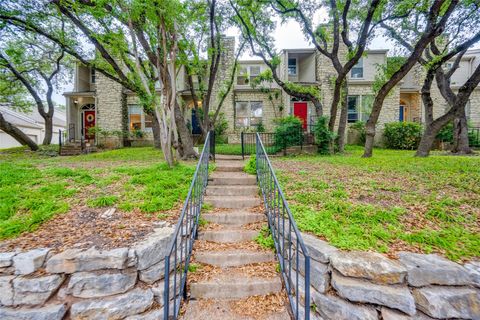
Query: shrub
x=288 y=132
x=323 y=136
x=446 y=134
x=251 y=166
x=260 y=127
x=402 y=135
x=359 y=126
x=221 y=126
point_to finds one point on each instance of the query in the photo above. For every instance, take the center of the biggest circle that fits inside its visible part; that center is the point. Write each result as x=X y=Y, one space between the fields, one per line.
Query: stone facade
x=122 y=283
x=367 y=285
x=111 y=113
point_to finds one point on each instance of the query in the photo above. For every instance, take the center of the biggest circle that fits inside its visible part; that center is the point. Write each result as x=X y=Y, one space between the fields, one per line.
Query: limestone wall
x=122 y=283
x=367 y=285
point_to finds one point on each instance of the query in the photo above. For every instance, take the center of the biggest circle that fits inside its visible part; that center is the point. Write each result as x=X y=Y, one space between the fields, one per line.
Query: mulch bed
x=84 y=227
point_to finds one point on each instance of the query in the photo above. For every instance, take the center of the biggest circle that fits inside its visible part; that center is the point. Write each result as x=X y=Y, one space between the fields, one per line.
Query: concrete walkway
x=233 y=270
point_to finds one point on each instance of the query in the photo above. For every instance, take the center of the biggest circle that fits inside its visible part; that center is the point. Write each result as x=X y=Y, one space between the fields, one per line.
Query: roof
x=31 y=119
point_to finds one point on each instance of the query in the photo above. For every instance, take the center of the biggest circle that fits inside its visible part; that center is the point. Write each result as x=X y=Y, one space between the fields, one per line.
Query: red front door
x=300 y=110
x=88 y=122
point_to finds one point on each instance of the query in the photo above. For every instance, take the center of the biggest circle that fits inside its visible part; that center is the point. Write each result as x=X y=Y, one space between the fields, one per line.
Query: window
x=254 y=72
x=352 y=114
x=292 y=66
x=138 y=120
x=357 y=70
x=242 y=76
x=248 y=114
x=367 y=104
x=92 y=75
x=359 y=108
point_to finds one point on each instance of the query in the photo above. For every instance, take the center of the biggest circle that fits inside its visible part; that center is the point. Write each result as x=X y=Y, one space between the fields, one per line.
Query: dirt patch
x=85 y=227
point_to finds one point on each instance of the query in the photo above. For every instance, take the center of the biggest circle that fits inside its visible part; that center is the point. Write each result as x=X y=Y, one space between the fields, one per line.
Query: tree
x=456 y=38
x=211 y=18
x=35 y=63
x=135 y=44
x=254 y=19
x=437 y=13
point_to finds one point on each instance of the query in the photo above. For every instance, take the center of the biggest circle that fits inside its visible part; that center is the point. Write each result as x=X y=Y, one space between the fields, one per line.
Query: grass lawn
x=389 y=203
x=35 y=187
x=229 y=149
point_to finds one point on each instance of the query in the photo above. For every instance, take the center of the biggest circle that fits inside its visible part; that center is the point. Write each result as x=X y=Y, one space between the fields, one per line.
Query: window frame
x=358 y=65
x=360 y=113
x=249 y=117
x=356 y=113
x=93 y=76
x=142 y=118
x=296 y=67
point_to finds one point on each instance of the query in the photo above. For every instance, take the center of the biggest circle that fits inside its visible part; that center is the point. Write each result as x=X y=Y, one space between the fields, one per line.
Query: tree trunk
x=337 y=90
x=461 y=144
x=17 y=134
x=318 y=107
x=156 y=132
x=342 y=126
x=48 y=130
x=187 y=151
x=429 y=135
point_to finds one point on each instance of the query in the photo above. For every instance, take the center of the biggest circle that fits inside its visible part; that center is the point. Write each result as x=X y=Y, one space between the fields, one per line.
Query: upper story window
x=247 y=74
x=254 y=72
x=248 y=114
x=292 y=66
x=357 y=70
x=92 y=75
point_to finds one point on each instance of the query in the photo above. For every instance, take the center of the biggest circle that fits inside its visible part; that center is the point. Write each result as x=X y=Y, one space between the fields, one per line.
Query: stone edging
x=366 y=285
x=83 y=284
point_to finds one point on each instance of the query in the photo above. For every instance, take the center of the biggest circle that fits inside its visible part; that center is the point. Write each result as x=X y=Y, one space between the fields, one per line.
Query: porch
x=410 y=107
x=81 y=116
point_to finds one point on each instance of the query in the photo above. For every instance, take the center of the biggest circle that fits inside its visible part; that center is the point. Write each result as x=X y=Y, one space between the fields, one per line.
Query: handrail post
x=243 y=147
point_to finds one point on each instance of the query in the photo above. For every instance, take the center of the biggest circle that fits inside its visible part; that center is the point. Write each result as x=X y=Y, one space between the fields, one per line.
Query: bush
x=359 y=126
x=260 y=127
x=446 y=134
x=402 y=135
x=323 y=136
x=251 y=166
x=221 y=126
x=288 y=132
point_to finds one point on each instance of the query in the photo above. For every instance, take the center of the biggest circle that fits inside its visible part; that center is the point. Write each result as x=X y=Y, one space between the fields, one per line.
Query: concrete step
x=233 y=202
x=234 y=218
x=228 y=157
x=233 y=258
x=228 y=235
x=232 y=190
x=232 y=178
x=231 y=286
x=222 y=309
x=229 y=166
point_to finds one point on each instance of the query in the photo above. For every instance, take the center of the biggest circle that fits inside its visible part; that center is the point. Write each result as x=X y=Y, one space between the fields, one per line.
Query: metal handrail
x=181 y=246
x=288 y=241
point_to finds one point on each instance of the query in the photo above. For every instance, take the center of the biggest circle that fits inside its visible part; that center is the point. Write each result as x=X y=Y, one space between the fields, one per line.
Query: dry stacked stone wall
x=369 y=286
x=122 y=283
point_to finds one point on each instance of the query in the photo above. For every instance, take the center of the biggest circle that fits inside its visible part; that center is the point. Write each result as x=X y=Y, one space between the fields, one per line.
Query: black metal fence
x=275 y=143
x=290 y=249
x=178 y=254
x=474 y=137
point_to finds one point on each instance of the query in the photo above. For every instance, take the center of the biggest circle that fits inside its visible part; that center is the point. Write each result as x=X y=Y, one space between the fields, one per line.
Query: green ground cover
x=34 y=187
x=387 y=203
x=229 y=149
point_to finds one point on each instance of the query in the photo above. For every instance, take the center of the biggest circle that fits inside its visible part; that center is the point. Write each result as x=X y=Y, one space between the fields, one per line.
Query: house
x=31 y=123
x=97 y=101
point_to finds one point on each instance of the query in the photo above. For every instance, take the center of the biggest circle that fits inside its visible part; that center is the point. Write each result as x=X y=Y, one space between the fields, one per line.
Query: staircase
x=71 y=149
x=236 y=278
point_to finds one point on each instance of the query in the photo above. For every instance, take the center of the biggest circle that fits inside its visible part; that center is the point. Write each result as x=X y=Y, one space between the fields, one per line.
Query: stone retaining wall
x=123 y=283
x=367 y=285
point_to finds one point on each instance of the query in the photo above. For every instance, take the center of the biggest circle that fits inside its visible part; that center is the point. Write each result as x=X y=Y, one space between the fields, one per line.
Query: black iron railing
x=178 y=254
x=275 y=143
x=291 y=251
x=474 y=137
